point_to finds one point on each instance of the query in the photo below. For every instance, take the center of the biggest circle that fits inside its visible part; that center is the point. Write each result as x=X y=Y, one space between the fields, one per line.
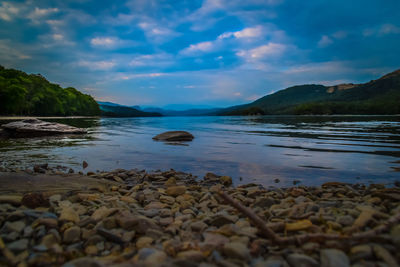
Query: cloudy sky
x=199 y=52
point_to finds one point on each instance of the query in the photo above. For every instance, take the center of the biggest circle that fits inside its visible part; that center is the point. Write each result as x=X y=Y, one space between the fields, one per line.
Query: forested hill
x=381 y=96
x=32 y=94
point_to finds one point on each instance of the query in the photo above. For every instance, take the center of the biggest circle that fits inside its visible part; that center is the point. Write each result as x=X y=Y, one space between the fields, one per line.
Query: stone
x=345 y=220
x=299 y=225
x=144 y=242
x=360 y=252
x=301 y=260
x=49 y=240
x=102 y=213
x=170 y=181
x=192 y=255
x=109 y=235
x=264 y=202
x=11 y=199
x=19 y=245
x=72 y=235
x=236 y=250
x=48 y=222
x=35 y=127
x=225 y=180
x=84 y=164
x=140 y=224
x=84 y=262
x=176 y=190
x=198 y=226
x=214 y=240
x=381 y=253
x=174 y=136
x=34 y=200
x=333 y=258
x=91 y=250
x=17 y=226
x=150 y=257
x=221 y=219
x=168 y=200
x=69 y=214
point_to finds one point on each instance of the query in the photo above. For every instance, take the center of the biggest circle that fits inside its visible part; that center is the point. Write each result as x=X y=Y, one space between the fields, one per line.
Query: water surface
x=310 y=149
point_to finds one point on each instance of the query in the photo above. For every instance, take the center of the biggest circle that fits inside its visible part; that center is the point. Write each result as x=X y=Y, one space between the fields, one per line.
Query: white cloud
x=97 y=65
x=199 y=47
x=389 y=29
x=251 y=32
x=340 y=34
x=325 y=41
x=103 y=41
x=261 y=52
x=9 y=52
x=157 y=33
x=139 y=75
x=158 y=60
x=8 y=11
x=42 y=12
x=382 y=30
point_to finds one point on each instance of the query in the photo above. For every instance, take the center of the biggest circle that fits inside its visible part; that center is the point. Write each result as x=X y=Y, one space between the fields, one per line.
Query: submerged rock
x=35 y=127
x=174 y=136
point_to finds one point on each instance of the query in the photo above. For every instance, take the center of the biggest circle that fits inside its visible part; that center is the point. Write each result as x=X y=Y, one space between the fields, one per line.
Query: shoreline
x=47 y=117
x=172 y=219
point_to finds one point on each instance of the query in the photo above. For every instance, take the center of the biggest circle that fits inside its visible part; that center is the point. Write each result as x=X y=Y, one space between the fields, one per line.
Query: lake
x=259 y=149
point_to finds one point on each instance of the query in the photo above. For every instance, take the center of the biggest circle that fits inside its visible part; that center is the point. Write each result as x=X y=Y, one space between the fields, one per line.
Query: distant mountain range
x=381 y=96
x=109 y=109
x=116 y=110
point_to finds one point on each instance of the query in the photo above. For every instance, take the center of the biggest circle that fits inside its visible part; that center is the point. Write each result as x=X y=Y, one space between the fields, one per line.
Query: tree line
x=32 y=94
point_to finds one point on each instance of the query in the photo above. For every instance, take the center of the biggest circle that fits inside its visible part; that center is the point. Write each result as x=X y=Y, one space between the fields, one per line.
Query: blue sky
x=199 y=52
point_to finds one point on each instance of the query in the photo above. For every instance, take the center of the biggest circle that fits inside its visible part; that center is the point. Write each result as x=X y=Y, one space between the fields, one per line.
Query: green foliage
x=247 y=112
x=380 y=96
x=23 y=94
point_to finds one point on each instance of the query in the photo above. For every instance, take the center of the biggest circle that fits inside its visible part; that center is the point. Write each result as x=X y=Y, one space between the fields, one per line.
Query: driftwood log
x=267 y=232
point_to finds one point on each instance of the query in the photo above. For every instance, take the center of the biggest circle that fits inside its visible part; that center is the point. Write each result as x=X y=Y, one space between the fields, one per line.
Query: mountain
x=188 y=112
x=381 y=96
x=114 y=110
x=32 y=94
x=108 y=104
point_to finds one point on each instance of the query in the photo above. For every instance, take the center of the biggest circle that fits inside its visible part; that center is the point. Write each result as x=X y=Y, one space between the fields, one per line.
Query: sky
x=204 y=53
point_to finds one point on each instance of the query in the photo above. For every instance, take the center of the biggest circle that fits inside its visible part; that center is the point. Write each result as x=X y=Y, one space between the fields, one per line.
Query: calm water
x=313 y=150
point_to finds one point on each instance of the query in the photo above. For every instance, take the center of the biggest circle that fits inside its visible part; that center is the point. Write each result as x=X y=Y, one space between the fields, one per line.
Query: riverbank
x=172 y=219
x=46 y=117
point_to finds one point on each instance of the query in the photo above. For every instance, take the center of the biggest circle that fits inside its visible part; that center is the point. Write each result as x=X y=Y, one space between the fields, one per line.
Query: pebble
x=333 y=258
x=72 y=235
x=69 y=214
x=301 y=260
x=19 y=245
x=236 y=250
x=176 y=190
x=144 y=242
x=151 y=257
x=173 y=219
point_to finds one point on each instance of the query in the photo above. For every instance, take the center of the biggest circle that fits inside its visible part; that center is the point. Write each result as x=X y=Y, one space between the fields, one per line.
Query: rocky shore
x=170 y=218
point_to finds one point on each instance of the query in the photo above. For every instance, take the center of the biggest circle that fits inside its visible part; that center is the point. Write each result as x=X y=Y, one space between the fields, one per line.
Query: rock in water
x=35 y=127
x=174 y=136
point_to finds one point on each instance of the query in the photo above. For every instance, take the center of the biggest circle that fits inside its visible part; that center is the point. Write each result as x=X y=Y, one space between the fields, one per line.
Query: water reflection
x=312 y=149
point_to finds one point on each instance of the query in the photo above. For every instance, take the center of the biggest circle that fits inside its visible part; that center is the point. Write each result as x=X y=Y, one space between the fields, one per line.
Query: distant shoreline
x=270 y=115
x=46 y=117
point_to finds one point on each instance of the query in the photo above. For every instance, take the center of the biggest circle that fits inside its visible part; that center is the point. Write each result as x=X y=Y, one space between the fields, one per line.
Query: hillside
x=115 y=110
x=381 y=96
x=33 y=95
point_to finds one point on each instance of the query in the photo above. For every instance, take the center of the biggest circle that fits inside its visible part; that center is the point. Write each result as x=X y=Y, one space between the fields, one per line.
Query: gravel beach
x=170 y=218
